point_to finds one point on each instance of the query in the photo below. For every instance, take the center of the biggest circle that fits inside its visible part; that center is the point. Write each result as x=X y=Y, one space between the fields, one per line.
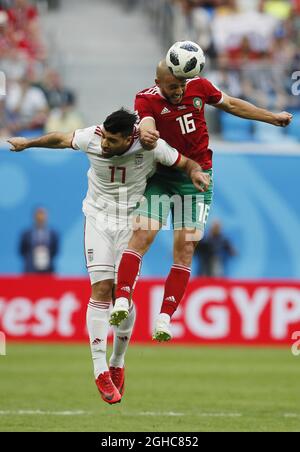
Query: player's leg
x=122 y=332
x=99 y=257
x=189 y=227
x=150 y=216
x=97 y=319
x=122 y=335
x=177 y=280
x=130 y=265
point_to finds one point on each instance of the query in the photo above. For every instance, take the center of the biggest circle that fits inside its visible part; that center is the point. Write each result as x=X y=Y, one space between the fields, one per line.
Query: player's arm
x=148 y=133
x=147 y=127
x=246 y=110
x=55 y=140
x=200 y=179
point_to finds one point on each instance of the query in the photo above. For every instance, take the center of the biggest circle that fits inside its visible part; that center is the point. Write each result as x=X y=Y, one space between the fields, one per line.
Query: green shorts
x=174 y=192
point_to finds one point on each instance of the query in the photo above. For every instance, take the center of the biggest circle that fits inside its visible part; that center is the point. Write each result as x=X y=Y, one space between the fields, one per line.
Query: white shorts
x=104 y=249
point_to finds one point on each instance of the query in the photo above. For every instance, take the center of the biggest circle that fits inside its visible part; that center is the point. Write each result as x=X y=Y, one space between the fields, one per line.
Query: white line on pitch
x=41 y=412
x=142 y=413
x=153 y=413
x=219 y=414
x=291 y=415
x=171 y=413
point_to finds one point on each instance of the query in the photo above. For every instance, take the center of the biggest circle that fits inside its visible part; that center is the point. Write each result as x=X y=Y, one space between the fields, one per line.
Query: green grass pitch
x=169 y=389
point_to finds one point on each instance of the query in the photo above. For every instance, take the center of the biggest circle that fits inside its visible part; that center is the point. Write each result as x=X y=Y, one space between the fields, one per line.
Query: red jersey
x=182 y=126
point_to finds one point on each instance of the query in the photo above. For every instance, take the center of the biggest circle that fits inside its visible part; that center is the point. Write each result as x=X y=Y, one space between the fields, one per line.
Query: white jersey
x=117 y=184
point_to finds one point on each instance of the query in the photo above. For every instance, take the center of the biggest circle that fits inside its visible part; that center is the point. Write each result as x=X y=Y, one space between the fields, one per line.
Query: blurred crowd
x=36 y=98
x=252 y=46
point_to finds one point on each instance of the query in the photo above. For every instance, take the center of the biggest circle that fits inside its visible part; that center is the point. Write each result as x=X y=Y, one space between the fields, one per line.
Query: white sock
x=164 y=317
x=98 y=325
x=122 y=336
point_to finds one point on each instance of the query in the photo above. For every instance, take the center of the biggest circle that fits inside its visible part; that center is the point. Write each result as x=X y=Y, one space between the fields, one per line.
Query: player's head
x=40 y=216
x=117 y=132
x=171 y=87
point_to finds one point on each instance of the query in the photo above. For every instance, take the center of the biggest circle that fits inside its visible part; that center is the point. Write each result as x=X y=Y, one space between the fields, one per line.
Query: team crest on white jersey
x=139 y=159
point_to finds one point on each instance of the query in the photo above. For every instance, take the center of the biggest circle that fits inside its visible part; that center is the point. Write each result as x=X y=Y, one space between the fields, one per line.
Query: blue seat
x=235 y=129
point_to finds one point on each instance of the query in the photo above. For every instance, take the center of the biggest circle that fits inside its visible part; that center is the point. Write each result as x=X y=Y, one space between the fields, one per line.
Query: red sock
x=127 y=274
x=175 y=286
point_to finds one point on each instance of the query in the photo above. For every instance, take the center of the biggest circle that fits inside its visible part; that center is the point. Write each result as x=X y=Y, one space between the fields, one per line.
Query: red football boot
x=118 y=377
x=107 y=389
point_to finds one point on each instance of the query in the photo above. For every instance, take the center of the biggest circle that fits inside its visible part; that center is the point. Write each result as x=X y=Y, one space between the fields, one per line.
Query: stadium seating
x=294 y=128
x=234 y=128
x=266 y=133
x=31 y=133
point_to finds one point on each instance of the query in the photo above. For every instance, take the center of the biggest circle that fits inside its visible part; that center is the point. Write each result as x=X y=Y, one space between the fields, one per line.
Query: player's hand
x=200 y=180
x=18 y=144
x=282 y=119
x=149 y=138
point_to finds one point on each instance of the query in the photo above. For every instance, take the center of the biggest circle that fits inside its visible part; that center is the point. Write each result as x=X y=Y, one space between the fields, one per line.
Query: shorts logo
x=139 y=158
x=197 y=103
x=90 y=255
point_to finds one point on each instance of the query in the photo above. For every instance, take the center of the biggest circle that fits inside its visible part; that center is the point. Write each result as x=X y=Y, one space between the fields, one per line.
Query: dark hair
x=121 y=121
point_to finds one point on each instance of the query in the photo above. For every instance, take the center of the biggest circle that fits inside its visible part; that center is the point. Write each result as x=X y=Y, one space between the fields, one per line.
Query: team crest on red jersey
x=197 y=103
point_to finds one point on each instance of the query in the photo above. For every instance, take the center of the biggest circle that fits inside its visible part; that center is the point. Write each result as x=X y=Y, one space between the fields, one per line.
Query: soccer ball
x=185 y=59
